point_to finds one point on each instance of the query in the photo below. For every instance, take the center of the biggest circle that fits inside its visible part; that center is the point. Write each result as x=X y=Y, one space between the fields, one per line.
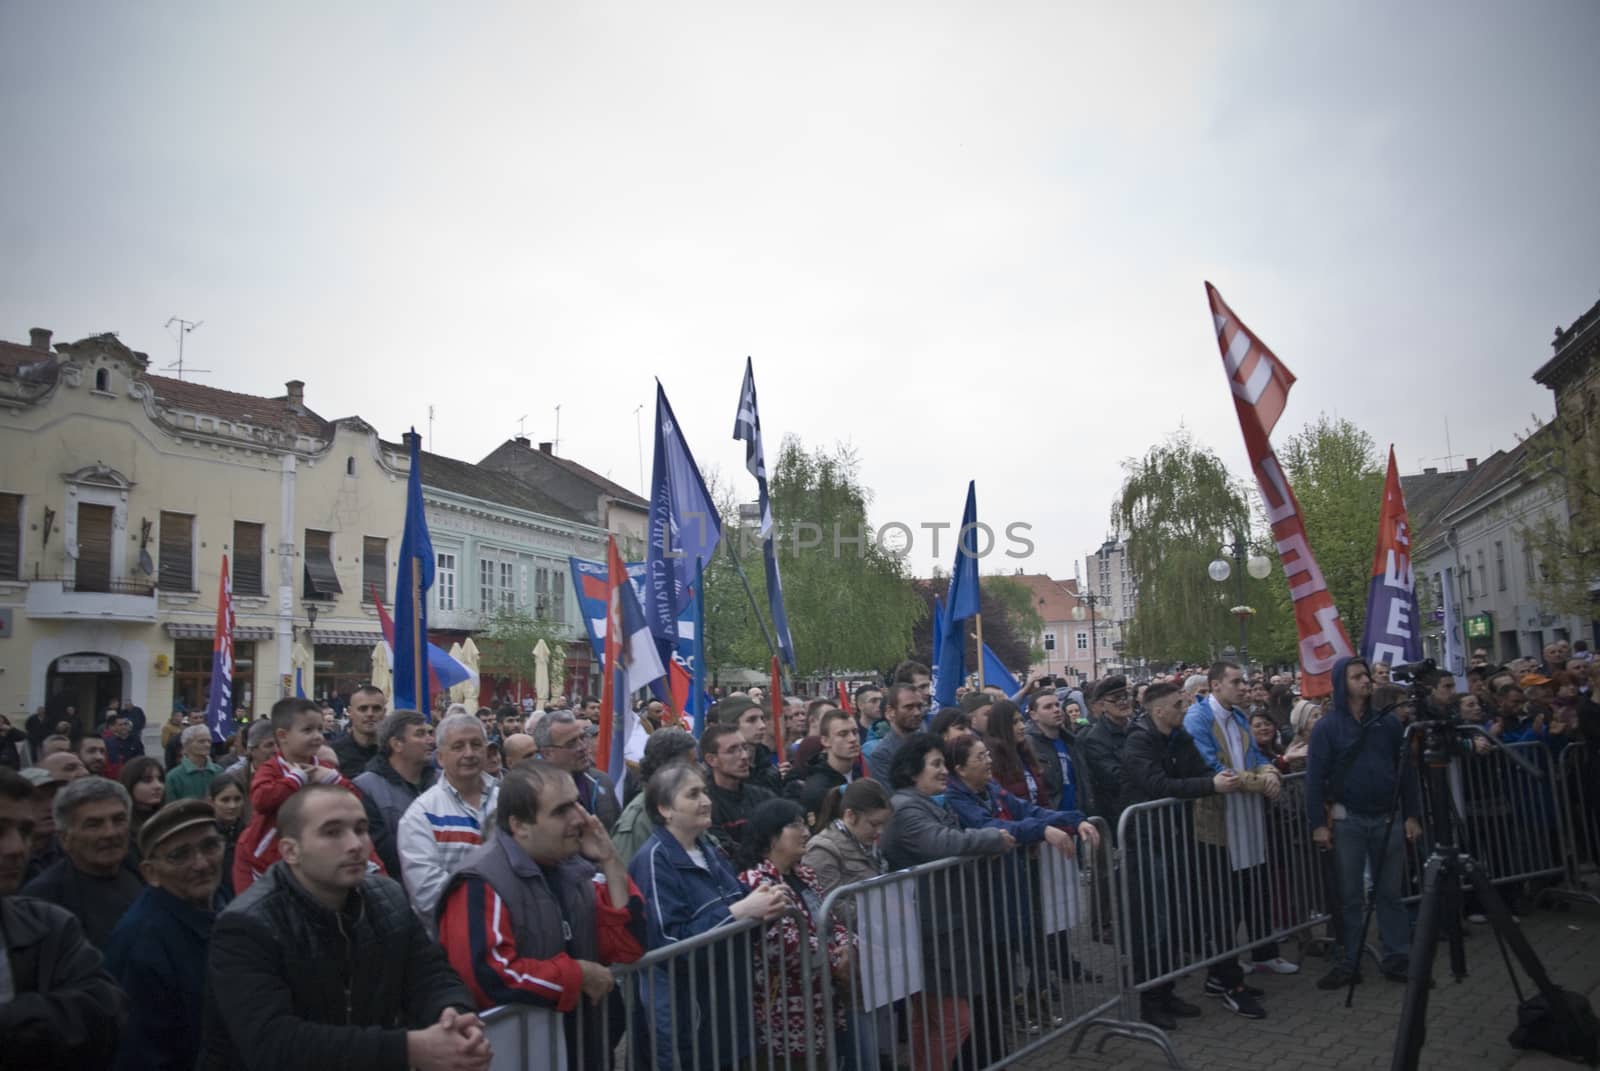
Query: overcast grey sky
x=967 y=238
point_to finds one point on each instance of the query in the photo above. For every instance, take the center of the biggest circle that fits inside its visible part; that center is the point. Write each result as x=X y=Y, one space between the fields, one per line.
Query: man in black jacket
x=733 y=797
x=401 y=771
x=836 y=765
x=94 y=879
x=1160 y=761
x=321 y=965
x=1102 y=745
x=64 y=1011
x=359 y=745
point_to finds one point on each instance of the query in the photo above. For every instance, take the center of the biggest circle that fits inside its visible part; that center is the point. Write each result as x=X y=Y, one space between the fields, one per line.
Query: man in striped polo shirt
x=447 y=821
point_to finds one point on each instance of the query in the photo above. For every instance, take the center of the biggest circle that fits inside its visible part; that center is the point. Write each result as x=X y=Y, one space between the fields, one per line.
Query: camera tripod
x=1447 y=868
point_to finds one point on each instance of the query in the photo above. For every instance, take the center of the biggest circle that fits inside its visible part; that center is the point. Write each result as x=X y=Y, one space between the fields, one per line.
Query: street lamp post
x=1094 y=638
x=1258 y=566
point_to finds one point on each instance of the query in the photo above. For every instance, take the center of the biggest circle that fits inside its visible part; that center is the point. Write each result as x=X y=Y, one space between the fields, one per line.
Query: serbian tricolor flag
x=1260 y=384
x=444 y=672
x=219 y=703
x=629 y=664
x=1390 y=634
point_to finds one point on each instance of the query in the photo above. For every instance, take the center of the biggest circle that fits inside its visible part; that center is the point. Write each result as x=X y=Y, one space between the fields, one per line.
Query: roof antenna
x=522 y=432
x=555 y=447
x=184 y=327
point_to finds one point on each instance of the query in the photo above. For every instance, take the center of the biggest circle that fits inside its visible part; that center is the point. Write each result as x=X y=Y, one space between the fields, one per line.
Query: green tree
x=505 y=647
x=1337 y=476
x=1564 y=455
x=1011 y=623
x=1178 y=505
x=850 y=604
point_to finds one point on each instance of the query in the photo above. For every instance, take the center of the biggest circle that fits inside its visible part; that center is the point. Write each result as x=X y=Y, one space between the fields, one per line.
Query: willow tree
x=1177 y=507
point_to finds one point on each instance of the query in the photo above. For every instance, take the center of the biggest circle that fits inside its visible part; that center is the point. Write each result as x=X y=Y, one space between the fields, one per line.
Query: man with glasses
x=359 y=743
x=1103 y=744
x=158 y=951
x=734 y=797
x=903 y=709
x=564 y=740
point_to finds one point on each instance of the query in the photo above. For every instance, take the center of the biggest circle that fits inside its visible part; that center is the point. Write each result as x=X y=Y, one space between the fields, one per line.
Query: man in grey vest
x=400 y=772
x=525 y=919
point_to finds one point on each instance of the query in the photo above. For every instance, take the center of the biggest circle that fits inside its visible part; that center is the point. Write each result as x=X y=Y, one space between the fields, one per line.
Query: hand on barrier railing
x=1226 y=781
x=1273 y=787
x=1010 y=841
x=1413 y=831
x=765 y=904
x=1322 y=837
x=455 y=1043
x=1090 y=835
x=598 y=981
x=1062 y=841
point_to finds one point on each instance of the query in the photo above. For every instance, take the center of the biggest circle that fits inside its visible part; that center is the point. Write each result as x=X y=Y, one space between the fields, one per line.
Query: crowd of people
x=313 y=893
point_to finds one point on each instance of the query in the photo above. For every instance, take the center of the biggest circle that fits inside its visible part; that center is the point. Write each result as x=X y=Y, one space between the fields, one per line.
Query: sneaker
x=1215 y=987
x=1276 y=965
x=1478 y=919
x=1242 y=1004
x=1339 y=978
x=1396 y=970
x=1153 y=1011
x=1176 y=1005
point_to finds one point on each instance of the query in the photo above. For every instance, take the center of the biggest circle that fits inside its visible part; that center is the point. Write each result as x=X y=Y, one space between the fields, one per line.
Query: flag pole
x=697 y=697
x=979 y=619
x=419 y=666
x=750 y=594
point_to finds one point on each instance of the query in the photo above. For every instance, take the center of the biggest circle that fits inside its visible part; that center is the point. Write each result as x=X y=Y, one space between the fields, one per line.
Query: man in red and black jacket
x=534 y=915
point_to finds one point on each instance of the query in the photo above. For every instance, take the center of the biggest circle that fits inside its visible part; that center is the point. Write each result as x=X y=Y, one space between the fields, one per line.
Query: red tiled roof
x=231 y=405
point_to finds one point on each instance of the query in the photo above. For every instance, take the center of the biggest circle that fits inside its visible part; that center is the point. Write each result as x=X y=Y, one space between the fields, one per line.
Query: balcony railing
x=131 y=599
x=113 y=586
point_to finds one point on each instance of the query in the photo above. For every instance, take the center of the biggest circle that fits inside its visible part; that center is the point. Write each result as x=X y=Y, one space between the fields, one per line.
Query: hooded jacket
x=1355 y=763
x=385 y=795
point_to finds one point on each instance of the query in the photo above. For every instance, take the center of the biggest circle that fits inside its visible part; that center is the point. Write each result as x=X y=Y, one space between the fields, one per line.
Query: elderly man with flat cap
x=157 y=953
x=1103 y=743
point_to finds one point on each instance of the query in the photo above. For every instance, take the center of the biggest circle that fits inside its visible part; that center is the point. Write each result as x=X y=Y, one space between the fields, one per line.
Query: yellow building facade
x=120 y=493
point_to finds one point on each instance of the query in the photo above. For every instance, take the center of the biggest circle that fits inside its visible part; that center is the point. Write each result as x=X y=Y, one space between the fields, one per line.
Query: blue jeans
x=1358 y=841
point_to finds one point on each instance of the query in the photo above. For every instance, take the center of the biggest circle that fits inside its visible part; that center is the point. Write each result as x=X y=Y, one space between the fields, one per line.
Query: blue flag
x=996 y=673
x=962 y=599
x=960 y=603
x=413 y=579
x=747 y=426
x=684 y=526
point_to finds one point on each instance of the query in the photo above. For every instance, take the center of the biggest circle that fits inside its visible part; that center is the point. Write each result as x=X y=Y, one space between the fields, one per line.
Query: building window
x=350 y=466
x=1500 y=566
x=247 y=558
x=10 y=537
x=508 y=585
x=541 y=592
x=1082 y=640
x=444 y=581
x=485 y=586
x=1049 y=641
x=102 y=380
x=93 y=571
x=341 y=669
x=374 y=569
x=1483 y=575
x=177 y=552
x=1527 y=561
x=1465 y=576
x=191 y=674
x=321 y=579
x=558 y=594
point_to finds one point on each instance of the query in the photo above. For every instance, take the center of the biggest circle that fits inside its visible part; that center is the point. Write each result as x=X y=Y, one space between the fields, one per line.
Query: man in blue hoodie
x=1351 y=769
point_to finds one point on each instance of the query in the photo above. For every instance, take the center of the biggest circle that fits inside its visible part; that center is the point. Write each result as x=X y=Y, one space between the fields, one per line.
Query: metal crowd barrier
x=987 y=960
x=1577 y=788
x=981 y=959
x=1189 y=902
x=1512 y=823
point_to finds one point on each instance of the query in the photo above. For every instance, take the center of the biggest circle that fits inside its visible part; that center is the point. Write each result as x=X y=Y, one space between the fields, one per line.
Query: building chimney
x=1472 y=463
x=1430 y=472
x=297 y=394
x=547 y=448
x=39 y=338
x=406 y=437
x=522 y=440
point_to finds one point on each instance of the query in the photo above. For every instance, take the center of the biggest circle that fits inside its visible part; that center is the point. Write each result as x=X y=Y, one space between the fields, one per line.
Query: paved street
x=1311 y=1030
